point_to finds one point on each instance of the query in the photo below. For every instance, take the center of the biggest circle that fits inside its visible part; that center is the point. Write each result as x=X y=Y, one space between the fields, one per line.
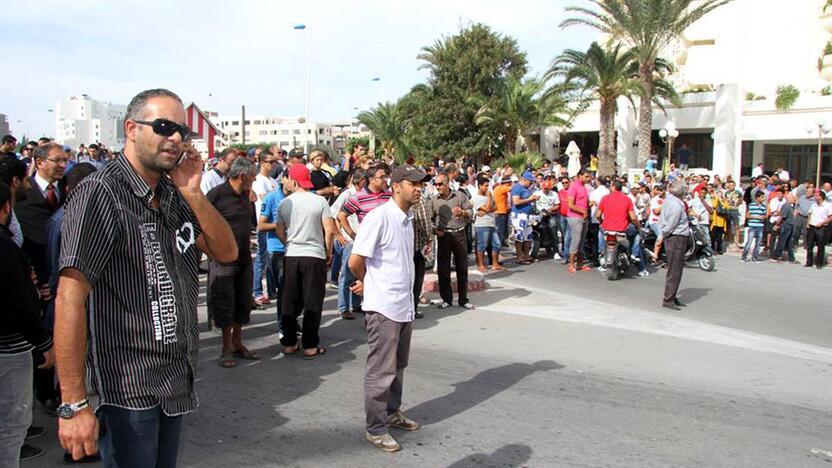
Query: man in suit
x=35 y=205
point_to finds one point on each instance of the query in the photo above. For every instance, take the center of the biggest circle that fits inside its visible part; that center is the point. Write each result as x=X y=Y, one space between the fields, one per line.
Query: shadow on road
x=693 y=294
x=507 y=455
x=481 y=387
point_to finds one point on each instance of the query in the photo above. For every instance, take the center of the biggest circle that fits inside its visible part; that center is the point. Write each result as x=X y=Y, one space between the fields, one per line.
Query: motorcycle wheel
x=612 y=272
x=706 y=263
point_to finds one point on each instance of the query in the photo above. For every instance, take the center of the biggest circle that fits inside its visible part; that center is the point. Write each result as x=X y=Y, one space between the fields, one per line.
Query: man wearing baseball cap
x=382 y=261
x=522 y=199
x=305 y=226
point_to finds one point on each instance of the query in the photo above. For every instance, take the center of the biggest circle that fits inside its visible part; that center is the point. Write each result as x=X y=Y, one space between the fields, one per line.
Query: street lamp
x=668 y=134
x=822 y=128
x=302 y=27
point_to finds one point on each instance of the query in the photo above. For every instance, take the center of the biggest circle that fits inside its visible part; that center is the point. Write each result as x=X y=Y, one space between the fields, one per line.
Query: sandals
x=245 y=353
x=227 y=361
x=318 y=352
x=291 y=349
x=571 y=269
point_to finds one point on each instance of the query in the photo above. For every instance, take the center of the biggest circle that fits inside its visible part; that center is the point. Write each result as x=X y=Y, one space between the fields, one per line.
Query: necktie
x=51 y=196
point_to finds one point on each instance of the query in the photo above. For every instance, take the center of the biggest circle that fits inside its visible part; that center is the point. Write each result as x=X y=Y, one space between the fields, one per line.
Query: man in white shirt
x=263 y=185
x=382 y=261
x=817 y=230
x=594 y=228
x=757 y=171
x=217 y=175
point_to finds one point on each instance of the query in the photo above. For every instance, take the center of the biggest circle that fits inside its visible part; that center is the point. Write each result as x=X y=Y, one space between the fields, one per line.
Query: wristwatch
x=68 y=410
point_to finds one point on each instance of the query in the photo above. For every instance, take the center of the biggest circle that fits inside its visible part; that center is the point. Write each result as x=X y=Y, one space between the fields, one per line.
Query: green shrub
x=786 y=96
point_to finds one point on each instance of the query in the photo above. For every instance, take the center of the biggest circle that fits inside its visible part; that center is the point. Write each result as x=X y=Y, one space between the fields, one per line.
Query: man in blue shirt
x=756 y=221
x=522 y=200
x=266 y=223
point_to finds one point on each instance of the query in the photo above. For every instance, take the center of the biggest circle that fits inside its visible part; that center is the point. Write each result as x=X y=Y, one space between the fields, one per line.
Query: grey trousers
x=389 y=349
x=675 y=247
x=15 y=405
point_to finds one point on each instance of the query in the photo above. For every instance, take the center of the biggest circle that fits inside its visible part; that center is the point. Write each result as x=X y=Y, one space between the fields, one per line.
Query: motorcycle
x=544 y=234
x=617 y=257
x=698 y=248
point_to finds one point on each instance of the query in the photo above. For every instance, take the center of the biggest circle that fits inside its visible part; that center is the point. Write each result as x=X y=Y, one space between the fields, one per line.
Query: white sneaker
x=557 y=256
x=385 y=442
x=644 y=273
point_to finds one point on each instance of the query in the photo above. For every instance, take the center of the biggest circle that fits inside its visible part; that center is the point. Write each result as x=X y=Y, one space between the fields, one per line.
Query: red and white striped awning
x=202 y=126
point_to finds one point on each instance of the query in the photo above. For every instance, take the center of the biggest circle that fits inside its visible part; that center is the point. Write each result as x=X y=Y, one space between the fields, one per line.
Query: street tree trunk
x=606 y=139
x=645 y=111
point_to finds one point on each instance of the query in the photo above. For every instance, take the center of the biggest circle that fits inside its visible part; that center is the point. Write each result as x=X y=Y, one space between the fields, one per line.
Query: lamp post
x=668 y=134
x=302 y=27
x=822 y=128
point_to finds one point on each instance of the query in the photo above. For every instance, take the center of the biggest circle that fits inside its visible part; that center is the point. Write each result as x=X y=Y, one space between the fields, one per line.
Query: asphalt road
x=552 y=369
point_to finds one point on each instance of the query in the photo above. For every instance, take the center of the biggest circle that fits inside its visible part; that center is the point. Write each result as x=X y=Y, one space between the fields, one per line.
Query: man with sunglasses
x=130 y=246
x=262 y=186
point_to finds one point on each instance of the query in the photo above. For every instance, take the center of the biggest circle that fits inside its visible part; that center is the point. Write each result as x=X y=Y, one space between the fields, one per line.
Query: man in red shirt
x=618 y=212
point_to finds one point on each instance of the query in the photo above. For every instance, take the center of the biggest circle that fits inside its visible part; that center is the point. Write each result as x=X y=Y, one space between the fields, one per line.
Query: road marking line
x=574 y=309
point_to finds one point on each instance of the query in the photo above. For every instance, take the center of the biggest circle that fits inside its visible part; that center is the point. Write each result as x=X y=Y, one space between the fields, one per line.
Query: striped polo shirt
x=364 y=202
x=756 y=209
x=141 y=263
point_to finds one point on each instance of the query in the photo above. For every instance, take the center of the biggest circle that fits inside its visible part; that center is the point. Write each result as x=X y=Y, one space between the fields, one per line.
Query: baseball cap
x=529 y=176
x=408 y=173
x=486 y=169
x=300 y=174
x=251 y=151
x=505 y=179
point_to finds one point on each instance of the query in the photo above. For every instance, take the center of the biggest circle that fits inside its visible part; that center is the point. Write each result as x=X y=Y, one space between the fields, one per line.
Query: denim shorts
x=487 y=236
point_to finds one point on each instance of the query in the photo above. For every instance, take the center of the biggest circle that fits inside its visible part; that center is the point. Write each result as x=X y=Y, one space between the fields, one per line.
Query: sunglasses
x=439 y=184
x=167 y=128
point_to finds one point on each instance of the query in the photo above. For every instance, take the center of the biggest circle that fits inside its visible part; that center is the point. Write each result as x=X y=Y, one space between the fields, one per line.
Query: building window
x=320 y=131
x=284 y=132
x=264 y=132
x=296 y=131
x=258 y=122
x=248 y=122
x=274 y=132
x=236 y=122
x=284 y=144
x=236 y=134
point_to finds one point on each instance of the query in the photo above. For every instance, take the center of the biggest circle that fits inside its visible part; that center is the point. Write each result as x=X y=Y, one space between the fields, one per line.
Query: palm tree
x=648 y=26
x=386 y=123
x=521 y=106
x=606 y=74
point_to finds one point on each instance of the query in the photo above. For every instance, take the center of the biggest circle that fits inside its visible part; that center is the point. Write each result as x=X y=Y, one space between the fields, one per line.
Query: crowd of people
x=94 y=232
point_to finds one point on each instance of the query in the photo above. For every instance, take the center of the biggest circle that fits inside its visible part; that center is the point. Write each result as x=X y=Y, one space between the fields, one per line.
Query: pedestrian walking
x=145 y=208
x=381 y=262
x=817 y=230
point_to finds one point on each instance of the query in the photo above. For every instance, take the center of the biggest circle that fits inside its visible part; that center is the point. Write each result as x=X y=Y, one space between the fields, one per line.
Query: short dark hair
x=759 y=194
x=135 y=110
x=9 y=139
x=5 y=194
x=481 y=179
x=821 y=193
x=359 y=174
x=42 y=152
x=11 y=167
x=78 y=173
x=44 y=140
x=263 y=155
x=378 y=167
x=224 y=153
x=92 y=146
x=616 y=184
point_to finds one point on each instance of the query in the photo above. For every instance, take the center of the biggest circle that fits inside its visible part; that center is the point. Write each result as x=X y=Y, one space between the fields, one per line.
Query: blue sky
x=246 y=52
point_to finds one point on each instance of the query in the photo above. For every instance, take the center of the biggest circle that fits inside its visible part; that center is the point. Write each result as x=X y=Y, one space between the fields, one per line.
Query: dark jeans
x=786 y=241
x=138 y=438
x=675 y=247
x=304 y=280
x=717 y=237
x=276 y=261
x=419 y=278
x=452 y=243
x=229 y=292
x=502 y=226
x=262 y=267
x=815 y=238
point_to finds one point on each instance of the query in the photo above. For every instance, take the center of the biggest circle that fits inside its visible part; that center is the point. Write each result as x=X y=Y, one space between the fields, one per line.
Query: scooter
x=617 y=256
x=698 y=248
x=544 y=234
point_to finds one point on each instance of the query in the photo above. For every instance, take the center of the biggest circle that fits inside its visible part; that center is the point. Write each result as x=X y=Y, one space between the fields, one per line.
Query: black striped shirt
x=142 y=265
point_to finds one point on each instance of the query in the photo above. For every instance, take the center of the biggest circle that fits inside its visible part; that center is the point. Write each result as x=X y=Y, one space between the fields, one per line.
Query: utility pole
x=243 y=125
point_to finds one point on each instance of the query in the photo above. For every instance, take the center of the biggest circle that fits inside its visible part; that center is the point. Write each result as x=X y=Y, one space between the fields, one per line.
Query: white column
x=626 y=127
x=727 y=125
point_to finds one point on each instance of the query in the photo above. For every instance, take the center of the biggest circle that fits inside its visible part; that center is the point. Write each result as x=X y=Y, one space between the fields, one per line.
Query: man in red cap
x=305 y=225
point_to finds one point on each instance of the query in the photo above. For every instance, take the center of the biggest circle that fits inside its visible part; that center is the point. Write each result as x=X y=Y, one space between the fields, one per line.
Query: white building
x=81 y=119
x=288 y=133
x=732 y=62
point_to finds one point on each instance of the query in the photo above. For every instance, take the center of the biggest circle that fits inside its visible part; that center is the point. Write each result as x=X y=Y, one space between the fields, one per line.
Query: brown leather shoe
x=347 y=315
